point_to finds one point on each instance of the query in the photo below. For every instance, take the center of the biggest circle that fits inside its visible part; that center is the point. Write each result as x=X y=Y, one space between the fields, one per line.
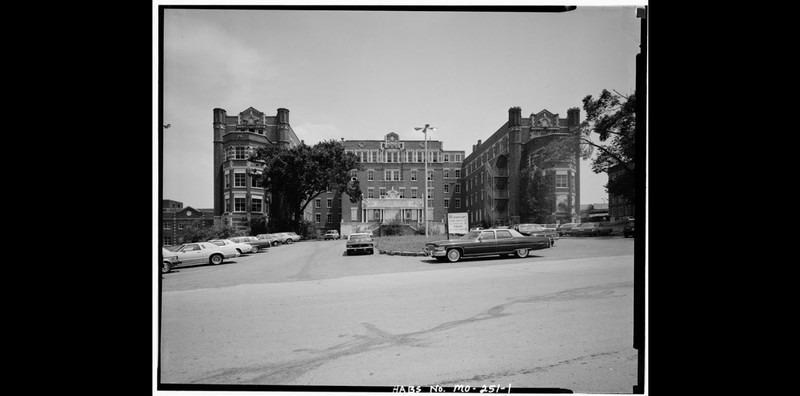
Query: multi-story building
x=239 y=197
x=492 y=185
x=176 y=220
x=393 y=184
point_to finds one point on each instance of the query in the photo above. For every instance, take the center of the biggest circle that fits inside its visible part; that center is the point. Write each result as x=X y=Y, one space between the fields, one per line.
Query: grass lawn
x=405 y=243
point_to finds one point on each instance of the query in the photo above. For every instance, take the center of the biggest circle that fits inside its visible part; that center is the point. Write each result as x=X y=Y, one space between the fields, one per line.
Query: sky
x=363 y=74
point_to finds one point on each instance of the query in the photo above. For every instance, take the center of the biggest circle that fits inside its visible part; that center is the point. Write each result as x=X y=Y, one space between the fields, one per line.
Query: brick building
x=238 y=196
x=176 y=220
x=393 y=184
x=492 y=184
x=619 y=208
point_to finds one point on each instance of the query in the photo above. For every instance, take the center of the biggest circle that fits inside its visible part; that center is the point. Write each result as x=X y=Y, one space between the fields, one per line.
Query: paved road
x=306 y=314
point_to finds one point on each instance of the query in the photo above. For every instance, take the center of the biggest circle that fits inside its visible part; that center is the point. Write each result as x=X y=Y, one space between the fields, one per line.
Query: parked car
x=293 y=237
x=331 y=234
x=257 y=244
x=565 y=228
x=627 y=231
x=242 y=248
x=204 y=252
x=168 y=260
x=274 y=239
x=536 y=230
x=487 y=242
x=591 y=229
x=360 y=242
x=549 y=227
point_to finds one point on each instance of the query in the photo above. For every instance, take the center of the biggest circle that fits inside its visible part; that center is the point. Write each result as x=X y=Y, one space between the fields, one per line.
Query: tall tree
x=612 y=117
x=296 y=176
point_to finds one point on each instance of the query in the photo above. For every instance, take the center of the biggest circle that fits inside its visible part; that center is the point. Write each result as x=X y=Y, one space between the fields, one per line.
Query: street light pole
x=425 y=131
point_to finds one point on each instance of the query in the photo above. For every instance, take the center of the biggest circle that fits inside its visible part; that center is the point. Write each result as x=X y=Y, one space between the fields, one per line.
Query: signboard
x=458 y=223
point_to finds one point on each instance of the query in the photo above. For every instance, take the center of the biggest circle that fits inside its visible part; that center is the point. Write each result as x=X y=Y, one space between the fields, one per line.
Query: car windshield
x=360 y=237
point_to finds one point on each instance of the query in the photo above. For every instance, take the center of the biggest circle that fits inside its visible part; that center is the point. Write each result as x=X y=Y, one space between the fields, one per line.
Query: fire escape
x=496 y=186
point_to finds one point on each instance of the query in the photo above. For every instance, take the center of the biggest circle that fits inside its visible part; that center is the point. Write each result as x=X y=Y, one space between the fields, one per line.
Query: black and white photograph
x=400 y=197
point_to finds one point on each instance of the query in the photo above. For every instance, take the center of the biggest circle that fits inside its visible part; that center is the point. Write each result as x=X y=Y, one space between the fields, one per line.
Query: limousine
x=477 y=243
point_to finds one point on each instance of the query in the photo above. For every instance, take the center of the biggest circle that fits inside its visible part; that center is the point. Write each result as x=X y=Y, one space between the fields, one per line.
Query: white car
x=203 y=252
x=242 y=248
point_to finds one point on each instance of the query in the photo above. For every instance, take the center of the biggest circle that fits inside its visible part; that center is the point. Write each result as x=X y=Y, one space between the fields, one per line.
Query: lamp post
x=425 y=131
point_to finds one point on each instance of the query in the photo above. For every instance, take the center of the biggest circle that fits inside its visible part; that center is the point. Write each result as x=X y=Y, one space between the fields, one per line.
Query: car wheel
x=216 y=259
x=453 y=255
x=255 y=249
x=289 y=241
x=521 y=253
x=165 y=267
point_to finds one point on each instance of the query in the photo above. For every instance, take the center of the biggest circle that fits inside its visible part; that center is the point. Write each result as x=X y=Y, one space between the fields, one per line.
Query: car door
x=190 y=253
x=505 y=242
x=487 y=244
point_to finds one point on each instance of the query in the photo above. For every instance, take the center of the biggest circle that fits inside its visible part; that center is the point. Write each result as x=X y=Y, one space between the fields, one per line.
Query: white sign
x=458 y=223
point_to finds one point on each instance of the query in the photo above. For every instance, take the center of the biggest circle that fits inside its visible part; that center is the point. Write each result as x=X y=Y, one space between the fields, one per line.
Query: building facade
x=492 y=185
x=239 y=197
x=177 y=220
x=393 y=184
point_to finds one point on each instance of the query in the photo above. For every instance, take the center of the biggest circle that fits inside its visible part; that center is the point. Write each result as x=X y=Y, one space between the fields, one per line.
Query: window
x=371 y=192
x=228 y=179
x=561 y=180
x=330 y=203
x=227 y=205
x=239 y=204
x=354 y=173
x=256 y=205
x=392 y=156
x=446 y=188
x=430 y=174
x=255 y=181
x=167 y=225
x=487 y=235
x=503 y=234
x=376 y=214
x=446 y=158
x=354 y=214
x=329 y=218
x=430 y=192
x=402 y=192
x=317 y=203
x=458 y=202
x=240 y=153
x=240 y=180
x=317 y=217
x=414 y=175
x=409 y=156
x=446 y=203
x=457 y=189
x=370 y=175
x=446 y=173
x=413 y=192
x=458 y=173
x=382 y=192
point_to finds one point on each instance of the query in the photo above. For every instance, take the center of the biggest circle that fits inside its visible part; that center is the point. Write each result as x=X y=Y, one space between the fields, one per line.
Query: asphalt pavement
x=307 y=314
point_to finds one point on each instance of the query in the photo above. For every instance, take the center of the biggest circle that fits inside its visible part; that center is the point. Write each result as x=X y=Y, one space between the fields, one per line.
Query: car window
x=502 y=234
x=191 y=247
x=218 y=243
x=487 y=235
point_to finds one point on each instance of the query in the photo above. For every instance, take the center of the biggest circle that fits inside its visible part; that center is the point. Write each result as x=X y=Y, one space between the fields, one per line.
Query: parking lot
x=307 y=314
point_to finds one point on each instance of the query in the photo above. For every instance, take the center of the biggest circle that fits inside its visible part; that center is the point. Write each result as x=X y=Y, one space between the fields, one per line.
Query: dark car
x=360 y=242
x=257 y=244
x=564 y=229
x=485 y=243
x=627 y=231
x=591 y=229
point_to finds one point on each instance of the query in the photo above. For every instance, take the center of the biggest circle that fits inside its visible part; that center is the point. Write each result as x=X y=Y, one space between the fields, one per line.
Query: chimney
x=514 y=117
